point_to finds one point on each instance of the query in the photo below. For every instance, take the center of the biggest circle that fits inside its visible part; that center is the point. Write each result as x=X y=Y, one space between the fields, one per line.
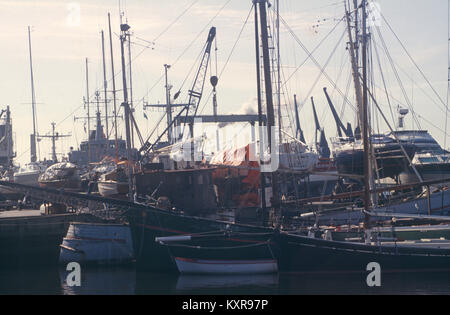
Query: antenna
x=54 y=136
x=402 y=112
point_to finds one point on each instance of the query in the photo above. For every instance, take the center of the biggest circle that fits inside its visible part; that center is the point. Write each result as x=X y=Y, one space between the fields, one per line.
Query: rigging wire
x=313 y=51
x=405 y=95
x=134 y=58
x=409 y=77
x=413 y=112
x=343 y=64
x=413 y=61
x=347 y=89
x=229 y=57
x=189 y=46
x=314 y=60
x=383 y=79
x=322 y=72
x=175 y=20
x=448 y=74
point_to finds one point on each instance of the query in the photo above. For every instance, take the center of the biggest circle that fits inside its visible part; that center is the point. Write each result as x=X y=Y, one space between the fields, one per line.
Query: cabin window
x=200 y=180
x=428 y=160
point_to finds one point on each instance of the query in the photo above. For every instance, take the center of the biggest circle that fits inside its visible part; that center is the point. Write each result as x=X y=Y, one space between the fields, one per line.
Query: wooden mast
x=88 y=113
x=131 y=89
x=168 y=105
x=114 y=87
x=355 y=70
x=260 y=120
x=124 y=28
x=105 y=86
x=278 y=72
x=365 y=129
x=269 y=102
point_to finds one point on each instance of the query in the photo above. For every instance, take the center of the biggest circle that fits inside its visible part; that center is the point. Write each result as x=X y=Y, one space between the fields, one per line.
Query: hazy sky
x=62 y=39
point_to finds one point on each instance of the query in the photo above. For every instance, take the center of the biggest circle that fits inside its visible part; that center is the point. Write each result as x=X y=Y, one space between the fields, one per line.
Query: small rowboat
x=204 y=266
x=221 y=253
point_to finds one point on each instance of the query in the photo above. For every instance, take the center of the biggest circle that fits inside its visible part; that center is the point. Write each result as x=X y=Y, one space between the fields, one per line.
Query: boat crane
x=195 y=95
x=321 y=146
x=299 y=133
x=339 y=125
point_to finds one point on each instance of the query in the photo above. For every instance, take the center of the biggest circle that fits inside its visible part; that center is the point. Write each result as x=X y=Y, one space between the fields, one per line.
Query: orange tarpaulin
x=236 y=163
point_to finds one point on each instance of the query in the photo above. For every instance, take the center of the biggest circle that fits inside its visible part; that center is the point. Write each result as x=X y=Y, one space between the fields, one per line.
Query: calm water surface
x=122 y=280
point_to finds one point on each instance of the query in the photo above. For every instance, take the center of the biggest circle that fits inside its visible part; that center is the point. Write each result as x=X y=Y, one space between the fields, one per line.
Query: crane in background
x=195 y=96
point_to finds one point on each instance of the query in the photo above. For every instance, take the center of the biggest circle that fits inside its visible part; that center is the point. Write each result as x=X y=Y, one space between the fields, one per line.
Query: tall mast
x=88 y=112
x=168 y=106
x=355 y=6
x=269 y=99
x=365 y=129
x=131 y=88
x=355 y=70
x=124 y=28
x=260 y=121
x=278 y=70
x=55 y=159
x=105 y=86
x=98 y=127
x=33 y=103
x=8 y=135
x=114 y=87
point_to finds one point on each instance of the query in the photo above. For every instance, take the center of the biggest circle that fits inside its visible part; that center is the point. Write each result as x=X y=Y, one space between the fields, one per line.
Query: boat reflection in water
x=101 y=281
x=223 y=282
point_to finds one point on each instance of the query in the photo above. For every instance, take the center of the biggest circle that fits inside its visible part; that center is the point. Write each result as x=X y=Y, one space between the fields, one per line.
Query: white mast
x=33 y=103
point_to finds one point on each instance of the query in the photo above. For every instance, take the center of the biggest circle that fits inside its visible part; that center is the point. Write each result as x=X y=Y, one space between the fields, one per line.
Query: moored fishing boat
x=212 y=253
x=29 y=174
x=97 y=243
x=149 y=223
x=312 y=254
x=113 y=183
x=389 y=157
x=62 y=175
x=431 y=161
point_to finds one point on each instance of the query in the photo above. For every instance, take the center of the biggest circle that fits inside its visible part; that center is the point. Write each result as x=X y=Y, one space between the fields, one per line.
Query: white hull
x=27 y=178
x=439 y=201
x=112 y=188
x=300 y=162
x=97 y=243
x=201 y=266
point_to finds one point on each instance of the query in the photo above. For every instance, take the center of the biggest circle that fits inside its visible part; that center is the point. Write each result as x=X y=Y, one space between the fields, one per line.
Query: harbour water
x=127 y=281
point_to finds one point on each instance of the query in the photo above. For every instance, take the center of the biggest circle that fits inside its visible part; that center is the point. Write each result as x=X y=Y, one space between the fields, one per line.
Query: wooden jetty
x=29 y=239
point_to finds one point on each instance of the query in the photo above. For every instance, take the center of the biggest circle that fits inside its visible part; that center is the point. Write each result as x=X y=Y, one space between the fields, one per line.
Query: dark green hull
x=149 y=223
x=303 y=254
